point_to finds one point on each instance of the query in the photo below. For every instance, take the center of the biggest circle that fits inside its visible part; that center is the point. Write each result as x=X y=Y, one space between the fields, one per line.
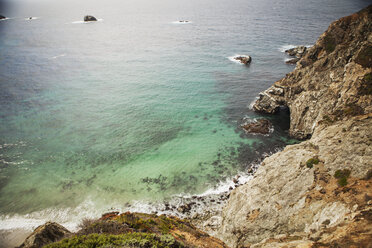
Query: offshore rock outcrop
x=89 y=18
x=316 y=193
x=244 y=59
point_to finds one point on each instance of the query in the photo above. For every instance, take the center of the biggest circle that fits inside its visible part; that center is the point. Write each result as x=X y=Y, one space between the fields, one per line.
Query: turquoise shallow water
x=135 y=107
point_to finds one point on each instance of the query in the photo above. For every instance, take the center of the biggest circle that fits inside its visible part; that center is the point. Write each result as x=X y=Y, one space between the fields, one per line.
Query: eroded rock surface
x=285 y=196
x=296 y=198
x=331 y=82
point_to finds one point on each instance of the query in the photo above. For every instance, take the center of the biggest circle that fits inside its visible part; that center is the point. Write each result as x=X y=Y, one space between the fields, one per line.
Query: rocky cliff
x=317 y=193
x=331 y=82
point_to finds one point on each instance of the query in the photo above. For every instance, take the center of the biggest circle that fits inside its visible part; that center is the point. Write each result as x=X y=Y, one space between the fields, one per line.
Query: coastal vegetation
x=310 y=163
x=342 y=176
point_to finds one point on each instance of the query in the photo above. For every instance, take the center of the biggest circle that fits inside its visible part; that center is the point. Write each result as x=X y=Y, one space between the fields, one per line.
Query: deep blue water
x=136 y=107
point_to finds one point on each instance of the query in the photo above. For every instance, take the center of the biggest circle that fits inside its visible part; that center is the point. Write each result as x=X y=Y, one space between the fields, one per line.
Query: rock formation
x=45 y=234
x=316 y=193
x=331 y=81
x=297 y=52
x=261 y=126
x=244 y=59
x=89 y=18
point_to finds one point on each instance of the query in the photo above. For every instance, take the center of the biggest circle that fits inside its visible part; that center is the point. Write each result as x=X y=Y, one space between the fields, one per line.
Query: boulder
x=261 y=126
x=297 y=51
x=244 y=59
x=45 y=234
x=2 y=17
x=89 y=18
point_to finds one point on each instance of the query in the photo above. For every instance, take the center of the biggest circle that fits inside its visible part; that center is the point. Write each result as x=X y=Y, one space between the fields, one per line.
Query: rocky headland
x=317 y=193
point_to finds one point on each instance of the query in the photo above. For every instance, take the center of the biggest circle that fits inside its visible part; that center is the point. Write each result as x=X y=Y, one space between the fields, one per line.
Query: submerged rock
x=89 y=18
x=244 y=59
x=261 y=126
x=45 y=234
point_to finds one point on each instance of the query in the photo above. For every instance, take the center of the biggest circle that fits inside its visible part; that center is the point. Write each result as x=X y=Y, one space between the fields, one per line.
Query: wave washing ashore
x=135 y=113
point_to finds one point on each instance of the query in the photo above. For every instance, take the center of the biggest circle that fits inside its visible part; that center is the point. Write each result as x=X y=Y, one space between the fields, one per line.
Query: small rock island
x=244 y=59
x=89 y=18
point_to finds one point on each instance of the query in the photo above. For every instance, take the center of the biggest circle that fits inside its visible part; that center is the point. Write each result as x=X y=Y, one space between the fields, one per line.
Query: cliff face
x=317 y=193
x=331 y=82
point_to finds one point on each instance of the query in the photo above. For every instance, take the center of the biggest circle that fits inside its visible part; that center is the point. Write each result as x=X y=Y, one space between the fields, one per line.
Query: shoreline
x=202 y=210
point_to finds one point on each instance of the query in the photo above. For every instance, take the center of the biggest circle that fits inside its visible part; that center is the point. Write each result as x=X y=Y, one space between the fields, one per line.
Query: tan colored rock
x=286 y=197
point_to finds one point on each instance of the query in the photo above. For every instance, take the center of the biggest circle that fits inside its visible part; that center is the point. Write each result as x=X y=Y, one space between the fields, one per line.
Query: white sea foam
x=68 y=217
x=223 y=187
x=250 y=106
x=290 y=46
x=58 y=56
x=32 y=18
x=181 y=22
x=286 y=47
x=232 y=58
x=83 y=22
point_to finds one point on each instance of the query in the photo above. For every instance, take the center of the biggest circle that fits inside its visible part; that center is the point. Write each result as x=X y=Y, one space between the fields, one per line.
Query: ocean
x=137 y=108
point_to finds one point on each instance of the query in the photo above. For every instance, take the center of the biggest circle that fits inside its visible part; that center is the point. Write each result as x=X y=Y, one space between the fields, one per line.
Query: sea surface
x=137 y=107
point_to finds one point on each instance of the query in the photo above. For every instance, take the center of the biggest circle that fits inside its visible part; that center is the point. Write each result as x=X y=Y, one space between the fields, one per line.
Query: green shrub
x=342 y=181
x=342 y=173
x=140 y=240
x=310 y=163
x=366 y=85
x=364 y=57
x=342 y=176
x=328 y=119
x=329 y=43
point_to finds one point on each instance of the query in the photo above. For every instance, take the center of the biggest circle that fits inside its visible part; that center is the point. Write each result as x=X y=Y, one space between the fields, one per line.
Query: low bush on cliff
x=329 y=43
x=327 y=120
x=342 y=176
x=141 y=240
x=310 y=163
x=99 y=226
x=366 y=86
x=364 y=57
